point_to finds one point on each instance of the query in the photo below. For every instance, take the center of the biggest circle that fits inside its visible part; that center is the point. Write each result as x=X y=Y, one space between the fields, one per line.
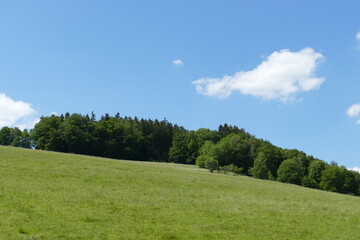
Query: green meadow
x=48 y=195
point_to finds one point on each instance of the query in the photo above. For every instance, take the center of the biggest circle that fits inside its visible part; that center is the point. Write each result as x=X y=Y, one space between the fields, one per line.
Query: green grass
x=46 y=195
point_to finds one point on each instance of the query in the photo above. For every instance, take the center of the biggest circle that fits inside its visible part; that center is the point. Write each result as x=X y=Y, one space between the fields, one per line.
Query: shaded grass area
x=46 y=195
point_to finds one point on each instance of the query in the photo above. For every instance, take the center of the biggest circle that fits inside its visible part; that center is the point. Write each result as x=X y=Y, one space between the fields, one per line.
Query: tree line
x=227 y=149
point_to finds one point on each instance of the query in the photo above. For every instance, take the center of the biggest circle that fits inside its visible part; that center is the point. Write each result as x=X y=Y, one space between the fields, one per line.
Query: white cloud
x=16 y=113
x=178 y=62
x=279 y=77
x=358 y=36
x=356 y=169
x=28 y=123
x=354 y=111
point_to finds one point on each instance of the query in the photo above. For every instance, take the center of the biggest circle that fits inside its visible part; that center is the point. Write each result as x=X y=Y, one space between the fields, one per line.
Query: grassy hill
x=47 y=195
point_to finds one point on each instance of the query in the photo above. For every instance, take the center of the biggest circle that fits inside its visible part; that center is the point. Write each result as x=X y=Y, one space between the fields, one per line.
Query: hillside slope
x=47 y=195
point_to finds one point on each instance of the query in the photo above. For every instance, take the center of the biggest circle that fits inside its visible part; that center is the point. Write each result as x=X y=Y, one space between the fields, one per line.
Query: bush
x=200 y=160
x=211 y=164
x=231 y=168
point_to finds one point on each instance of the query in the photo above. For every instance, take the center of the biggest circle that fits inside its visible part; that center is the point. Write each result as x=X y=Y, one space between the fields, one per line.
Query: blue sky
x=286 y=71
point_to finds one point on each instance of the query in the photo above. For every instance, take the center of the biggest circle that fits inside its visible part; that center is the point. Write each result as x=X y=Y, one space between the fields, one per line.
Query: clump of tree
x=111 y=136
x=186 y=144
x=242 y=153
x=227 y=149
x=291 y=171
x=15 y=137
x=236 y=149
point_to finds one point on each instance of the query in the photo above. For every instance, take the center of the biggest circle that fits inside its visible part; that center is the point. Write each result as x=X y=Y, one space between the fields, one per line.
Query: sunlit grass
x=46 y=195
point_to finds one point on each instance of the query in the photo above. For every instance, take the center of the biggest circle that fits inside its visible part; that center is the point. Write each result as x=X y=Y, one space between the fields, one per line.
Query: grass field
x=46 y=195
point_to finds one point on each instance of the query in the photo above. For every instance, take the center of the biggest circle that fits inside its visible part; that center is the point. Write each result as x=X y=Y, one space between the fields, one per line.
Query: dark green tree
x=301 y=156
x=45 y=134
x=234 y=149
x=291 y=171
x=5 y=136
x=351 y=186
x=76 y=133
x=260 y=169
x=225 y=130
x=108 y=137
x=315 y=170
x=272 y=158
x=333 y=178
x=179 y=151
x=16 y=137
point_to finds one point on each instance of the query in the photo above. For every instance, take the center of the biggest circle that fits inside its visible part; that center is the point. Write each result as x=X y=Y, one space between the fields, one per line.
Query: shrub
x=200 y=160
x=231 y=168
x=211 y=164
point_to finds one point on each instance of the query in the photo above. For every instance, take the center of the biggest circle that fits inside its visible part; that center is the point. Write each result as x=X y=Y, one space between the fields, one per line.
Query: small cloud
x=279 y=77
x=178 y=63
x=356 y=169
x=358 y=36
x=16 y=113
x=354 y=111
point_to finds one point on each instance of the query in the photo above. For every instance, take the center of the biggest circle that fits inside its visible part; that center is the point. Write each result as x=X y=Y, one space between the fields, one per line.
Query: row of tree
x=228 y=149
x=245 y=154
